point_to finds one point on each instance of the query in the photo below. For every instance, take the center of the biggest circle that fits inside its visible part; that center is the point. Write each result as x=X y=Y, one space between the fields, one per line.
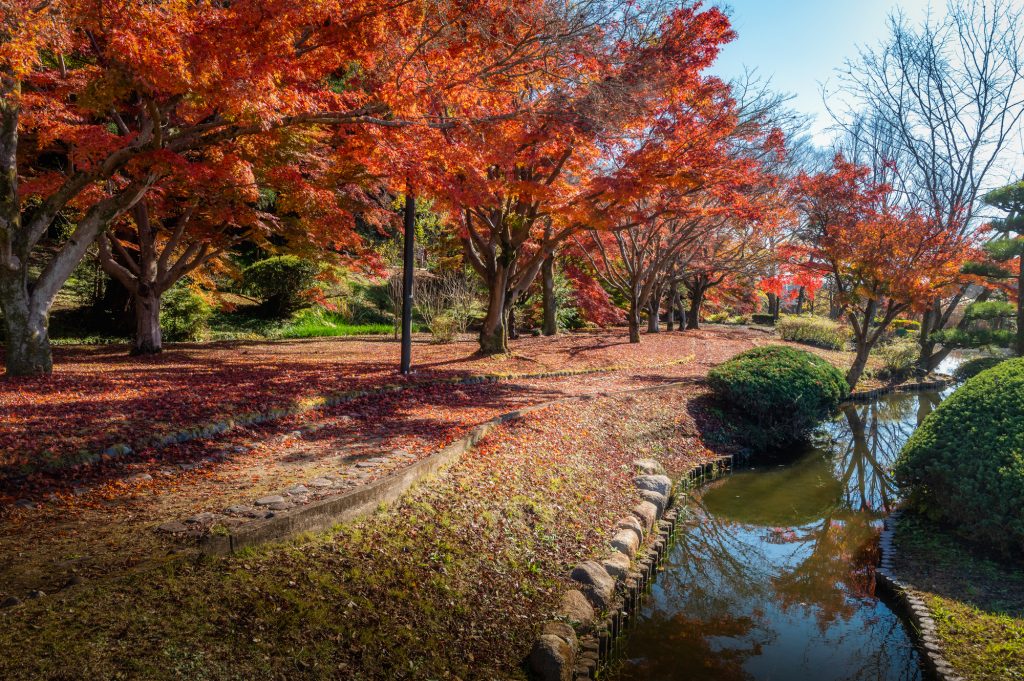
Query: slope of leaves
x=476 y=559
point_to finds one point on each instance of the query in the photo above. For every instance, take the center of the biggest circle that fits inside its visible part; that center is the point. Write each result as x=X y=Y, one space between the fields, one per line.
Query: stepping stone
x=320 y=483
x=268 y=501
x=173 y=527
x=240 y=510
x=280 y=506
x=297 y=489
x=202 y=518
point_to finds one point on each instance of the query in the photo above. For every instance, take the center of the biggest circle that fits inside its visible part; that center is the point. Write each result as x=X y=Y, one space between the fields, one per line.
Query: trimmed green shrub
x=717 y=318
x=899 y=358
x=763 y=319
x=964 y=466
x=281 y=283
x=905 y=324
x=816 y=331
x=973 y=367
x=974 y=338
x=184 y=315
x=782 y=392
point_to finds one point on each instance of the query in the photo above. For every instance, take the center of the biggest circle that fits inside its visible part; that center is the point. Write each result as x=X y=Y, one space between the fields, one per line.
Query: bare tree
x=943 y=101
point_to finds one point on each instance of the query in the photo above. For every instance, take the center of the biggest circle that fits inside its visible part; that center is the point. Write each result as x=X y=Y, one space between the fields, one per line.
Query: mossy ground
x=977 y=602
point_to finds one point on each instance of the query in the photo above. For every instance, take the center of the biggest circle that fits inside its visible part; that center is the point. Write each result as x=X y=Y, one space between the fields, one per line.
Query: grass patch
x=977 y=602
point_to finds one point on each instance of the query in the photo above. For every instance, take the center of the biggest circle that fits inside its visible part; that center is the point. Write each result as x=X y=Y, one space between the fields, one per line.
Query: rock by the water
x=595 y=583
x=647 y=514
x=576 y=608
x=552 y=659
x=659 y=500
x=617 y=565
x=661 y=484
x=631 y=523
x=626 y=542
x=649 y=467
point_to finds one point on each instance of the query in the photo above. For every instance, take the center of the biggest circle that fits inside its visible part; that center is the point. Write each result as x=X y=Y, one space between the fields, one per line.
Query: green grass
x=977 y=602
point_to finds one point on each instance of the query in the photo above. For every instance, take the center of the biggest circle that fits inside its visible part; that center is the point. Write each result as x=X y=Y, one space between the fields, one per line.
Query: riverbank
x=450 y=582
x=976 y=601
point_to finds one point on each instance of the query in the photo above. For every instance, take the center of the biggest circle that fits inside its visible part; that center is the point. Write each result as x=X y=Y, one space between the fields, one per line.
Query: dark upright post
x=407 y=272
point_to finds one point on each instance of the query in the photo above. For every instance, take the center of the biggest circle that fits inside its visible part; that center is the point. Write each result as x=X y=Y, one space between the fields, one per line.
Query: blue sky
x=800 y=43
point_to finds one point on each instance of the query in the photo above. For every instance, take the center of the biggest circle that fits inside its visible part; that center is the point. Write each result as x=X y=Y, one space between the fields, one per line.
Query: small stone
x=631 y=523
x=402 y=454
x=201 y=518
x=25 y=503
x=552 y=659
x=272 y=499
x=659 y=500
x=74 y=580
x=297 y=489
x=655 y=483
x=626 y=542
x=280 y=506
x=649 y=467
x=597 y=585
x=140 y=477
x=646 y=513
x=563 y=631
x=173 y=527
x=320 y=483
x=576 y=608
x=10 y=602
x=616 y=565
x=36 y=593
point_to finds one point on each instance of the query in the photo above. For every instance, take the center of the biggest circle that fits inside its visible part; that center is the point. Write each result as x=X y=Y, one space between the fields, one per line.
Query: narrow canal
x=772 y=575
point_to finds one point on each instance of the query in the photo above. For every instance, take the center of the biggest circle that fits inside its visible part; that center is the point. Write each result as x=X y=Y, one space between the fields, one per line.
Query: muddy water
x=772 y=579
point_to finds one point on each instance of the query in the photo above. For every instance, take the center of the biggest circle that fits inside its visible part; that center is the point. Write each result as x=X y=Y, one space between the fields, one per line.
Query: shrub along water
x=781 y=392
x=816 y=331
x=964 y=466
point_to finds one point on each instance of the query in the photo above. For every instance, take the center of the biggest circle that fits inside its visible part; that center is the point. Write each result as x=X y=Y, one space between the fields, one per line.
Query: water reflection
x=772 y=577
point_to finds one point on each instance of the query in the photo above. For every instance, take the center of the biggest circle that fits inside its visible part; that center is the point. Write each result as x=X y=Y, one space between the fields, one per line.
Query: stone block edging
x=579 y=645
x=333 y=399
x=917 y=612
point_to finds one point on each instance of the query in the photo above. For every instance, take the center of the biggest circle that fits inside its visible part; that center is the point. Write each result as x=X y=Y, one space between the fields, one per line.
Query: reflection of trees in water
x=865 y=441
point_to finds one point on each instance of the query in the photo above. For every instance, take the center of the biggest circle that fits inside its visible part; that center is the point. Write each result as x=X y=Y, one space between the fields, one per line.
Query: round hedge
x=781 y=392
x=964 y=466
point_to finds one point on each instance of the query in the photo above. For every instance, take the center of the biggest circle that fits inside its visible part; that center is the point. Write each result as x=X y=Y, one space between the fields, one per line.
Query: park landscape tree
x=882 y=259
x=101 y=101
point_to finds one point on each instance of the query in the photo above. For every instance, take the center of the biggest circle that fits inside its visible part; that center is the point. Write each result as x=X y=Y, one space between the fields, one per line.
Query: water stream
x=771 y=577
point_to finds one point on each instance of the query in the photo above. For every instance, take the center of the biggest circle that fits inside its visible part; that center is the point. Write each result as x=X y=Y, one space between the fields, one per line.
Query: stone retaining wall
x=593 y=617
x=922 y=624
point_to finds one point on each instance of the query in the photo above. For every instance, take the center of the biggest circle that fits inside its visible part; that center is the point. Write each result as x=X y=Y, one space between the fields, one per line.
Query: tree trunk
x=860 y=361
x=513 y=331
x=673 y=303
x=634 y=322
x=800 y=301
x=696 y=301
x=27 y=348
x=550 y=305
x=653 y=309
x=148 y=340
x=1020 y=308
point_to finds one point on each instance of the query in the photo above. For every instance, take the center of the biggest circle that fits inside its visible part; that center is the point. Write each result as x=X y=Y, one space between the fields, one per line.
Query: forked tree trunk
x=493 y=331
x=550 y=304
x=148 y=340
